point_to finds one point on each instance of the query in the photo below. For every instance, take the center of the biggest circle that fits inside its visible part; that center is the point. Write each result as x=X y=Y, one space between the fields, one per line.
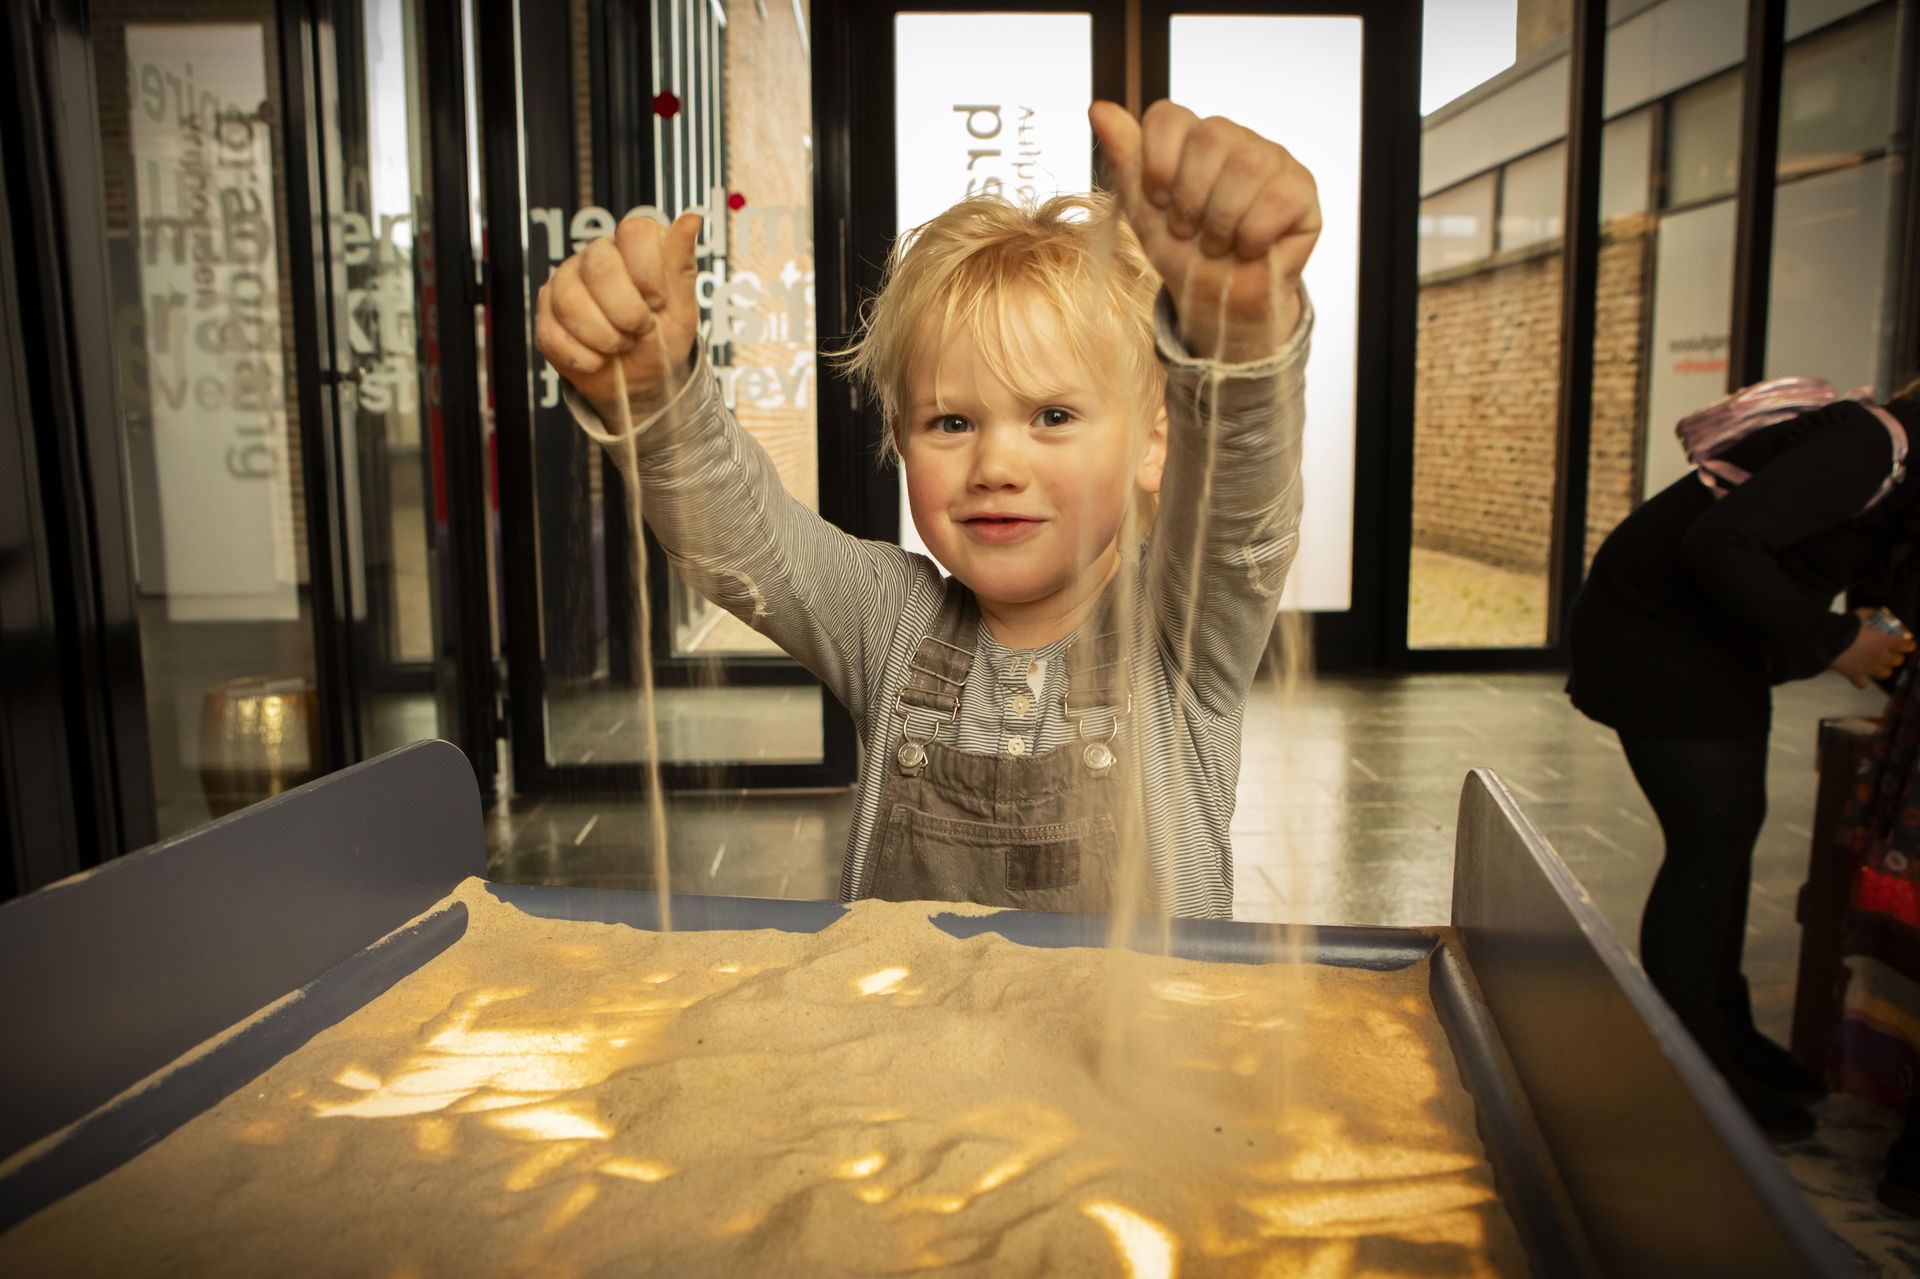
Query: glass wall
x=1493 y=172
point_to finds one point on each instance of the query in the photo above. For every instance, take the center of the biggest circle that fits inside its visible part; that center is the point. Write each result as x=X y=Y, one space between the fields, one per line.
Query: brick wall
x=769 y=88
x=1485 y=404
x=1623 y=314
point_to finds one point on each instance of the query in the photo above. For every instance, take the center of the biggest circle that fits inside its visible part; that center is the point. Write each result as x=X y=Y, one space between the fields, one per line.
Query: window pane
x=1828 y=306
x=377 y=181
x=1703 y=142
x=990 y=103
x=1836 y=94
x=1532 y=193
x=1456 y=226
x=1486 y=375
x=1692 y=304
x=730 y=118
x=764 y=313
x=1626 y=154
x=1298 y=81
x=1457 y=52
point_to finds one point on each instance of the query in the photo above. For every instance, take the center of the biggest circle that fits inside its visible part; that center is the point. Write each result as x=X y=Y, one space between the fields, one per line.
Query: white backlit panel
x=1297 y=80
x=988 y=102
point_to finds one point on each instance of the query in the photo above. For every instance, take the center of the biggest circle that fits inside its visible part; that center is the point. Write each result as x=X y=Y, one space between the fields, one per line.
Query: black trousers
x=1711 y=799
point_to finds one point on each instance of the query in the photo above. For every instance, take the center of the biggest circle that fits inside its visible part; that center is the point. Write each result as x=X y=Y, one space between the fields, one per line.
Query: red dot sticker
x=736 y=201
x=666 y=105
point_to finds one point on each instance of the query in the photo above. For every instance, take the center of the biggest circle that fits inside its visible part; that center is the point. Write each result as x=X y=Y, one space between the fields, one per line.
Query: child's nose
x=999 y=459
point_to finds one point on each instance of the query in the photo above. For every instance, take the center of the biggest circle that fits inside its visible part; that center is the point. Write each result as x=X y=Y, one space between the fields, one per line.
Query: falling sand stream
x=643 y=646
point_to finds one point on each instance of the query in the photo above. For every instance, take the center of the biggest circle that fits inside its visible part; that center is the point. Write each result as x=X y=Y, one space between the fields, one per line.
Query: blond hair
x=972 y=267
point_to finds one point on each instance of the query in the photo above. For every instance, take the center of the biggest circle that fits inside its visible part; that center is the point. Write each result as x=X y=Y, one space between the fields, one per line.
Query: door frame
x=56 y=202
x=461 y=674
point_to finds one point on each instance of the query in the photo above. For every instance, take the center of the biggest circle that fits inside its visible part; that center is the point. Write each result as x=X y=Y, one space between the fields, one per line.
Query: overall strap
x=936 y=675
x=1898 y=434
x=1097 y=694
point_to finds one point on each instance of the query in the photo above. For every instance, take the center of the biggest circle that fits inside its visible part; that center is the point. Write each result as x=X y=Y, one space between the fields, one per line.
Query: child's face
x=1019 y=496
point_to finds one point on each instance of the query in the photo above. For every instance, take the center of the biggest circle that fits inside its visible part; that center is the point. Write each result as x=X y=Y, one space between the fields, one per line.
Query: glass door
x=652 y=110
x=980 y=98
x=263 y=172
x=398 y=338
x=1336 y=85
x=374 y=192
x=192 y=116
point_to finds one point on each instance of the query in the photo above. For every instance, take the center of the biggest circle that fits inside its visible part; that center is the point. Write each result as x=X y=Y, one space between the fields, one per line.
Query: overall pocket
x=1051 y=866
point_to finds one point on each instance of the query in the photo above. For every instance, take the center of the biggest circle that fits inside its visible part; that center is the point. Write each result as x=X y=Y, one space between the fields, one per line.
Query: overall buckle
x=1098 y=750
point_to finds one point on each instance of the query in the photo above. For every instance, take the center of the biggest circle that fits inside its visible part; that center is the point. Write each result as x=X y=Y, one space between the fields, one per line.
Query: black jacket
x=1695 y=607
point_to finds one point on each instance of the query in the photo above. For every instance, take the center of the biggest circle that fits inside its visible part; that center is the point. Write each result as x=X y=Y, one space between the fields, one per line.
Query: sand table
x=553 y=1098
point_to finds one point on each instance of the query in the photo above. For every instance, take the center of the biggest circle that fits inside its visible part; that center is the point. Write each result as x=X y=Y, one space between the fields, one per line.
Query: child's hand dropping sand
x=1227 y=218
x=628 y=296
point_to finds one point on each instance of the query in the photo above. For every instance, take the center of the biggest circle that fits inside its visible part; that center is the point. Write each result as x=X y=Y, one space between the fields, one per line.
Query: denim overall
x=1036 y=832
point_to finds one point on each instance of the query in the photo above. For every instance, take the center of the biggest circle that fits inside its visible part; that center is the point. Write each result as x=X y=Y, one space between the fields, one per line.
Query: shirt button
x=1033 y=668
x=1020 y=705
x=1016 y=746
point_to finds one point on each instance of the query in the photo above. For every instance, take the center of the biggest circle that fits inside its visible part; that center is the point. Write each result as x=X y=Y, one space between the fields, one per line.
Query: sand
x=557 y=1098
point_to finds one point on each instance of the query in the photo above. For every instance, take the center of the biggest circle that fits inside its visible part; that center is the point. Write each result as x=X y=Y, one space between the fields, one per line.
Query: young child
x=1077 y=673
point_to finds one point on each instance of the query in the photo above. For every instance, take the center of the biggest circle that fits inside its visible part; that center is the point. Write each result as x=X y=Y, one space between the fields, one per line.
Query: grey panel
x=115 y=973
x=113 y=1134
x=1531 y=1188
x=1668 y=1174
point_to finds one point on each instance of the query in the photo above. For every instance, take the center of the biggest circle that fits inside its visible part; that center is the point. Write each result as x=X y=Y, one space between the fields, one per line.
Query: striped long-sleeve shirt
x=853 y=611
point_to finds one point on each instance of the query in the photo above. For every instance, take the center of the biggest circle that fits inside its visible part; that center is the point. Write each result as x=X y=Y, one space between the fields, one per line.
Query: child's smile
x=1021 y=492
x=1001 y=529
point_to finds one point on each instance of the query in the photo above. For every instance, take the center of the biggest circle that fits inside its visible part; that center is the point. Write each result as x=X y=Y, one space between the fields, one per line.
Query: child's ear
x=1154 y=460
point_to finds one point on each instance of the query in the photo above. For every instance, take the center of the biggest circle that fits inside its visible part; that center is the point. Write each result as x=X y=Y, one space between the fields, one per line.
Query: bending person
x=1697 y=605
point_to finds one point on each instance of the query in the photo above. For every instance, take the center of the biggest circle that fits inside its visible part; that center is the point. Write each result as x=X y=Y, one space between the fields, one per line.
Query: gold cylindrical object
x=259 y=736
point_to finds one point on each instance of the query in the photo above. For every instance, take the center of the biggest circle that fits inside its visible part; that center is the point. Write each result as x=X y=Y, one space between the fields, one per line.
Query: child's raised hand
x=628 y=296
x=1227 y=218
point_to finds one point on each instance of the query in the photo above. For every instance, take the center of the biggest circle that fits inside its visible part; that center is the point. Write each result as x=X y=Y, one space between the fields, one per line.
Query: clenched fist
x=1227 y=218
x=627 y=297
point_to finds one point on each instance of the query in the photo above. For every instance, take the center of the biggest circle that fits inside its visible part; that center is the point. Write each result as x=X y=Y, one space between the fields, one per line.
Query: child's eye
x=1053 y=417
x=949 y=424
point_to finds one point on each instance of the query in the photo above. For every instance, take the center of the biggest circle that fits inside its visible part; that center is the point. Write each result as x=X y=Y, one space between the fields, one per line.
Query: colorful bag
x=1707 y=434
x=1876 y=1054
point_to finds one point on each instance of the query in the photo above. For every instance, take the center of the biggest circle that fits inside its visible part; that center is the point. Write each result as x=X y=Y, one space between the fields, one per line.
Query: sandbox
x=191 y=1089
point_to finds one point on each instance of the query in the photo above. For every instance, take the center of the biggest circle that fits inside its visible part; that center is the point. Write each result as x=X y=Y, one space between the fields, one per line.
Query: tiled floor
x=600 y=723
x=1346 y=816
